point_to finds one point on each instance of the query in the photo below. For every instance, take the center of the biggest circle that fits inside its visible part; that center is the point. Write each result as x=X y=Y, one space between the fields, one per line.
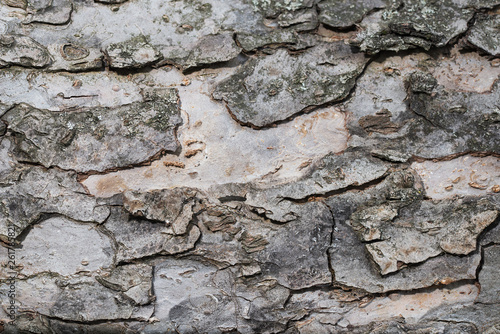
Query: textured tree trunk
x=249 y=166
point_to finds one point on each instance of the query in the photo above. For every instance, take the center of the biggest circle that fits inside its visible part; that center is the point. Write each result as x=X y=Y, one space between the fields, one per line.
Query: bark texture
x=249 y=166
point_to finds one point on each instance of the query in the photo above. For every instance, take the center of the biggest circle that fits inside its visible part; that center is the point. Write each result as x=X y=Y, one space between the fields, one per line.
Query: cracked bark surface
x=250 y=166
